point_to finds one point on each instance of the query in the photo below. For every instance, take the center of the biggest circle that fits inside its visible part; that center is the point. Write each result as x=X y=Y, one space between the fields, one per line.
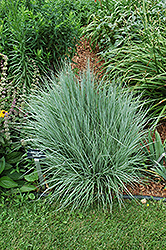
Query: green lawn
x=36 y=225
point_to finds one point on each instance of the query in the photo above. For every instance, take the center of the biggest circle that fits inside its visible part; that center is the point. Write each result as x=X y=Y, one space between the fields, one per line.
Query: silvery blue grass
x=91 y=133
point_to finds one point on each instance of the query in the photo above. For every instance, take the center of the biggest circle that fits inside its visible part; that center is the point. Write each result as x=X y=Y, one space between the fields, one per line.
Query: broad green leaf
x=2 y=140
x=8 y=166
x=151 y=144
x=27 y=188
x=31 y=177
x=14 y=175
x=7 y=182
x=14 y=157
x=158 y=145
x=2 y=164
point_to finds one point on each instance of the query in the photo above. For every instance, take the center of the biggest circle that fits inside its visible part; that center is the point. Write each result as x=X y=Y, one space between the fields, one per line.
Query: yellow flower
x=3 y=113
x=147 y=205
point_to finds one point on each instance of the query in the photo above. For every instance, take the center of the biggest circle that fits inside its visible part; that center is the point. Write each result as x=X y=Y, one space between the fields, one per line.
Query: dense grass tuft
x=91 y=134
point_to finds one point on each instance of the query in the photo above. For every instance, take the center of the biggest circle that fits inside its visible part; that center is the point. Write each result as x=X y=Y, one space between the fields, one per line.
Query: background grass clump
x=91 y=133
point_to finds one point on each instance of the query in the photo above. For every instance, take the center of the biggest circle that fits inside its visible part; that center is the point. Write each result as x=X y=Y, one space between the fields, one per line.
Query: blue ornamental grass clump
x=91 y=133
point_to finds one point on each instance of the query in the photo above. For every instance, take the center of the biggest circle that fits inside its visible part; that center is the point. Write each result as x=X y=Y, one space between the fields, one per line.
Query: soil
x=84 y=55
x=151 y=188
x=156 y=187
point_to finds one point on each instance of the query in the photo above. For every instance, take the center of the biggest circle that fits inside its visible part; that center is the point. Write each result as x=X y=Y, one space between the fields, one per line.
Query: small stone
x=143 y=201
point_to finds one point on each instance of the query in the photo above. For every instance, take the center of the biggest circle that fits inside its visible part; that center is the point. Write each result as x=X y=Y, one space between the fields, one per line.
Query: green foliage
x=13 y=165
x=155 y=154
x=44 y=34
x=153 y=148
x=142 y=66
x=159 y=170
x=91 y=133
x=81 y=8
x=12 y=102
x=31 y=177
x=131 y=36
x=41 y=33
x=27 y=188
x=110 y=25
x=5 y=171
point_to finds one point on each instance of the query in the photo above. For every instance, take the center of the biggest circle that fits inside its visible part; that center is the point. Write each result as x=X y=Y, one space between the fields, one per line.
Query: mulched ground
x=152 y=188
x=84 y=53
x=161 y=128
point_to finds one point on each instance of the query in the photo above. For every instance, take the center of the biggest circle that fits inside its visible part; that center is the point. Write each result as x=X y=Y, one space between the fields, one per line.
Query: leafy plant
x=6 y=181
x=159 y=170
x=153 y=148
x=142 y=67
x=132 y=40
x=9 y=171
x=30 y=180
x=110 y=26
x=44 y=34
x=155 y=154
x=13 y=175
x=91 y=133
x=13 y=165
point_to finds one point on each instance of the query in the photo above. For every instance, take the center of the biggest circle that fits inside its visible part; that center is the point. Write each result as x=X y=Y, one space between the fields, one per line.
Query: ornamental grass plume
x=91 y=135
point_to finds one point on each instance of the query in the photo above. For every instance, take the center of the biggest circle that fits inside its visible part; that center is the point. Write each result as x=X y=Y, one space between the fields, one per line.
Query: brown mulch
x=161 y=128
x=151 y=188
x=84 y=53
x=155 y=187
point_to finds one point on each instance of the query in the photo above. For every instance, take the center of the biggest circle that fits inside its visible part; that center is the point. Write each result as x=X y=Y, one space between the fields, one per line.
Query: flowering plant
x=3 y=113
x=12 y=103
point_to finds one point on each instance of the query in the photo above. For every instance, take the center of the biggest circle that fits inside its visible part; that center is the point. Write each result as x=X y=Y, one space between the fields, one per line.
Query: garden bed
x=155 y=188
x=83 y=55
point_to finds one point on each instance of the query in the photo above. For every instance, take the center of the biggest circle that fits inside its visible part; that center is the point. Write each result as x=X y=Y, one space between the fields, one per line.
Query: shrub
x=91 y=135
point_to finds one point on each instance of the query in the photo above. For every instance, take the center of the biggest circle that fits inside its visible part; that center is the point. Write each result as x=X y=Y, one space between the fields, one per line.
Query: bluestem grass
x=91 y=133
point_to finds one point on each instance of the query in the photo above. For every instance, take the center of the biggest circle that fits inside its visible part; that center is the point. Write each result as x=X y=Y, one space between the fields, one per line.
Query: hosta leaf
x=7 y=182
x=2 y=164
x=27 y=188
x=2 y=140
x=8 y=166
x=13 y=175
x=14 y=157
